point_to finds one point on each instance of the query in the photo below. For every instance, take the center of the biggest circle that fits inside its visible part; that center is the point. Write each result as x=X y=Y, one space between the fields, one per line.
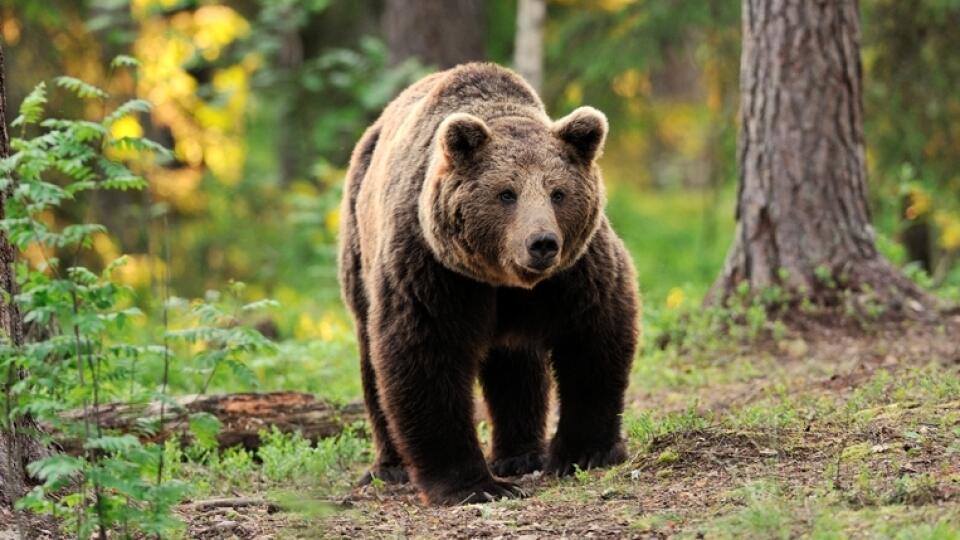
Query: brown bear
x=474 y=244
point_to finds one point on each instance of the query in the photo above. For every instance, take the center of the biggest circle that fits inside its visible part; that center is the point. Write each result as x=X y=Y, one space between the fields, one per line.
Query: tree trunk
x=242 y=416
x=802 y=216
x=441 y=33
x=19 y=440
x=528 y=51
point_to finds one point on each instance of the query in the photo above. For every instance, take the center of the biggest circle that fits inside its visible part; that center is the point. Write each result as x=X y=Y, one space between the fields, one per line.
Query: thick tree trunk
x=441 y=33
x=802 y=216
x=19 y=440
x=242 y=416
x=528 y=51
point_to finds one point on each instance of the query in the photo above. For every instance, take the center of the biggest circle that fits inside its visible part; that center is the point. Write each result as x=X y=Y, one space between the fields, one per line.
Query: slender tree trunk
x=19 y=440
x=290 y=147
x=441 y=33
x=802 y=217
x=528 y=51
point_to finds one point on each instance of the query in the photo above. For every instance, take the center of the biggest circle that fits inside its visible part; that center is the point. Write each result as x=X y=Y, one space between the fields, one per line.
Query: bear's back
x=484 y=90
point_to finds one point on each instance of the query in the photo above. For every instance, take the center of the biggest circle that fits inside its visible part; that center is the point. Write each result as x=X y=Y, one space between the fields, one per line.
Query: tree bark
x=802 y=217
x=528 y=51
x=19 y=440
x=441 y=33
x=242 y=416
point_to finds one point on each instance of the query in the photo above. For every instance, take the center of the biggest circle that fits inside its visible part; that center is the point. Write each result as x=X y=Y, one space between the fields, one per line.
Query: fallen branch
x=242 y=416
x=239 y=502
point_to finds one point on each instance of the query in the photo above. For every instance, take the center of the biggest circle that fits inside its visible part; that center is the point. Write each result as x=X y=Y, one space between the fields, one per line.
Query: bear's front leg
x=426 y=362
x=592 y=360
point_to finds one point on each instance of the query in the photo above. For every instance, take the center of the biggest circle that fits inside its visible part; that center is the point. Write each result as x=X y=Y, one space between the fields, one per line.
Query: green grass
x=643 y=428
x=766 y=509
x=677 y=239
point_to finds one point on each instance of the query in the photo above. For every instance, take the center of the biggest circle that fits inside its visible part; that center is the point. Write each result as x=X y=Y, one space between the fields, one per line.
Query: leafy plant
x=79 y=357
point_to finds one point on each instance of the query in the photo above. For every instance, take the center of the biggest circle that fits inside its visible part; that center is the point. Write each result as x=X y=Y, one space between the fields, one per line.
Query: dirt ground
x=828 y=432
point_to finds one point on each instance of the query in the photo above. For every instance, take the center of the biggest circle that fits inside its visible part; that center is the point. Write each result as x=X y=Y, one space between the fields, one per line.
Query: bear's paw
x=564 y=462
x=489 y=490
x=518 y=465
x=390 y=474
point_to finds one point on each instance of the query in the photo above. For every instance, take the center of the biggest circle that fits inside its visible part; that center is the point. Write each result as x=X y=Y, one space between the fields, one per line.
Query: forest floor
x=826 y=432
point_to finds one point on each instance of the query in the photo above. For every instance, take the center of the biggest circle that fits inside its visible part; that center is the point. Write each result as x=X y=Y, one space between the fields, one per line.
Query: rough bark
x=802 y=209
x=243 y=417
x=19 y=440
x=441 y=33
x=528 y=51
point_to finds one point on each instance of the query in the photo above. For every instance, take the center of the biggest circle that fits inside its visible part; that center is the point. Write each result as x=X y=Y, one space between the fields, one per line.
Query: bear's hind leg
x=516 y=387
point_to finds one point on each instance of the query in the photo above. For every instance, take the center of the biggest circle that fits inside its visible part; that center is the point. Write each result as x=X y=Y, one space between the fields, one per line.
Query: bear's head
x=513 y=201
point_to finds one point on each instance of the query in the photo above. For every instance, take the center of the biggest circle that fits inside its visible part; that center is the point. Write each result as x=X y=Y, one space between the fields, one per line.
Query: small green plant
x=916 y=490
x=581 y=475
x=825 y=276
x=290 y=458
x=764 y=515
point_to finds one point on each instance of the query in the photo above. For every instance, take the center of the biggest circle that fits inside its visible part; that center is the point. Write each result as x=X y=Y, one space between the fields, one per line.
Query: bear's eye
x=507 y=196
x=557 y=196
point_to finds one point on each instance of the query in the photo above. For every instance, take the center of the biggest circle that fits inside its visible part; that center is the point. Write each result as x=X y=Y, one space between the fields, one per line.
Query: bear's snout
x=542 y=249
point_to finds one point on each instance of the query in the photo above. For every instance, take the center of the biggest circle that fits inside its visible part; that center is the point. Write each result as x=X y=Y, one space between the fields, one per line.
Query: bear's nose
x=543 y=247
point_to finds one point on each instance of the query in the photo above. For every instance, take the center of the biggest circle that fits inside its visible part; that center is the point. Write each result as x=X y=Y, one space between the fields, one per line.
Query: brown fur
x=474 y=245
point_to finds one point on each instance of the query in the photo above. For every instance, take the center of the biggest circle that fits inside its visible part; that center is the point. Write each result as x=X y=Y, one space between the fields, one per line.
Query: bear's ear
x=461 y=135
x=585 y=130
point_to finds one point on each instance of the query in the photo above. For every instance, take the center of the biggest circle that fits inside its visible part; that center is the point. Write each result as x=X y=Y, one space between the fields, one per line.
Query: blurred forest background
x=261 y=102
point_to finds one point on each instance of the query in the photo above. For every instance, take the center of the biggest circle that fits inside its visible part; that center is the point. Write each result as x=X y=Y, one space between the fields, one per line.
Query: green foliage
x=80 y=88
x=290 y=459
x=910 y=116
x=124 y=61
x=941 y=530
x=110 y=485
x=283 y=461
x=132 y=106
x=328 y=99
x=118 y=482
x=31 y=109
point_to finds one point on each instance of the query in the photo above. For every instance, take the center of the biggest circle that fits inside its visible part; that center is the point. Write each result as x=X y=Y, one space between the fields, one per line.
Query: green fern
x=129 y=107
x=124 y=183
x=81 y=89
x=123 y=60
x=139 y=144
x=112 y=443
x=31 y=110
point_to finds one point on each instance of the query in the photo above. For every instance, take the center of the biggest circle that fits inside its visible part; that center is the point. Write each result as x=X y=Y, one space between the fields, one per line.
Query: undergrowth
x=79 y=355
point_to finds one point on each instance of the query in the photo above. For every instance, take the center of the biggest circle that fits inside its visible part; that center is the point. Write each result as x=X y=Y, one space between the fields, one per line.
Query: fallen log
x=242 y=416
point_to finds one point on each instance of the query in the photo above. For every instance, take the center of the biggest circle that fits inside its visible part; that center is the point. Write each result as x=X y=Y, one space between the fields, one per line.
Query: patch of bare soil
x=236 y=518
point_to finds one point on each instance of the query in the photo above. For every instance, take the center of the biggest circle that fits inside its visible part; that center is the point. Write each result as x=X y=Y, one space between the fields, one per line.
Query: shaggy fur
x=474 y=245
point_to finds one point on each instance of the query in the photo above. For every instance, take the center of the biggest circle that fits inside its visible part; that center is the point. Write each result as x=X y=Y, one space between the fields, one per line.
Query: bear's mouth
x=532 y=274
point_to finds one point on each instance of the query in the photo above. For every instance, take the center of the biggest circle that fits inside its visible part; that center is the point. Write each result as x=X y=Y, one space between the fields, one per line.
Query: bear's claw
x=486 y=491
x=517 y=465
